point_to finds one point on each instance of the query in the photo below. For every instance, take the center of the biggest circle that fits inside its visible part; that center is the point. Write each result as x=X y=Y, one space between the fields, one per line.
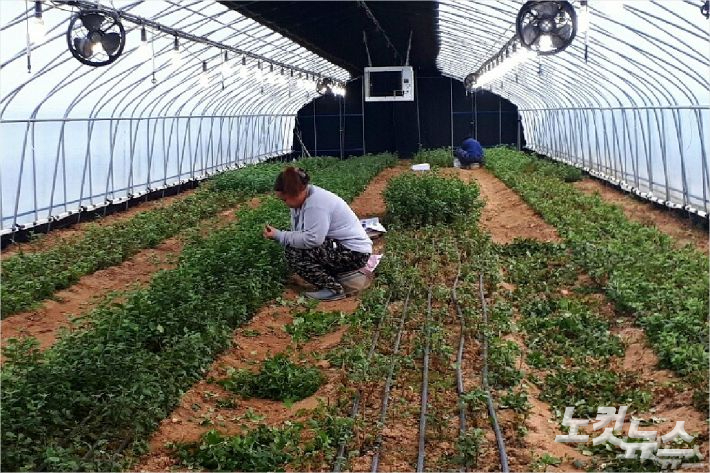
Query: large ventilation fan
x=470 y=81
x=96 y=37
x=324 y=86
x=546 y=27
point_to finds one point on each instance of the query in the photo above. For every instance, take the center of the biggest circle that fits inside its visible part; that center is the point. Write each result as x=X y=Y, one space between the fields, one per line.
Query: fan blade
x=547 y=8
x=564 y=32
x=92 y=21
x=111 y=42
x=83 y=47
x=557 y=41
x=530 y=34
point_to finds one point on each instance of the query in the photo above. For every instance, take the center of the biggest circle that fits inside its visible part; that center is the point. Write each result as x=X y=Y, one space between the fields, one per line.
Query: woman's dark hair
x=291 y=181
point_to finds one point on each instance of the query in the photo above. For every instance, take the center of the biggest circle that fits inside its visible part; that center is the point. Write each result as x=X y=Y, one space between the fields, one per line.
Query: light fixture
x=243 y=70
x=507 y=59
x=258 y=74
x=36 y=28
x=144 y=50
x=175 y=55
x=225 y=68
x=271 y=78
x=583 y=22
x=204 y=78
x=324 y=86
x=583 y=17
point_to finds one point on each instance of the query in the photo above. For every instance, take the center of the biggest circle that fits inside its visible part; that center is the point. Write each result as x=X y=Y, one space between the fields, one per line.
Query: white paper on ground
x=372 y=264
x=373 y=224
x=421 y=167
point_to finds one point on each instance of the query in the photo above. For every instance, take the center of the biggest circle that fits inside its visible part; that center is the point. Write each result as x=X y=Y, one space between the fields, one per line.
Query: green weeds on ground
x=30 y=278
x=279 y=379
x=90 y=401
x=663 y=287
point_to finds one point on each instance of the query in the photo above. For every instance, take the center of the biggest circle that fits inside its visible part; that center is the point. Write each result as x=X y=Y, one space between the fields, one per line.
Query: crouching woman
x=326 y=238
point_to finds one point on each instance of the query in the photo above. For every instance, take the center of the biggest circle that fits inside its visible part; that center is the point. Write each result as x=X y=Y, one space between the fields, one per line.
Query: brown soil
x=46 y=322
x=680 y=229
x=198 y=411
x=506 y=216
x=541 y=424
x=370 y=203
x=673 y=398
x=62 y=235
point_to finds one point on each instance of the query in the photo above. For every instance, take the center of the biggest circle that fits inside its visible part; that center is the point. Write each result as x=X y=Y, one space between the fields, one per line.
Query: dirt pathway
x=45 y=322
x=208 y=406
x=370 y=203
x=505 y=216
x=646 y=213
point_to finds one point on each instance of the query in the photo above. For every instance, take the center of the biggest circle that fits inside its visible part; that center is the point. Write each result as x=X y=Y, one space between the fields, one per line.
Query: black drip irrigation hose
x=425 y=389
x=484 y=377
x=388 y=385
x=459 y=356
x=356 y=399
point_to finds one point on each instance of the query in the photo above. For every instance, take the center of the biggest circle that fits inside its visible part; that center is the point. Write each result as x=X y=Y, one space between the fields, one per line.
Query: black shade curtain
x=441 y=115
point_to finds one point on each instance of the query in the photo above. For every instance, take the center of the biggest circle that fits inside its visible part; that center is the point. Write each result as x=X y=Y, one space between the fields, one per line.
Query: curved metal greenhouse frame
x=78 y=138
x=635 y=112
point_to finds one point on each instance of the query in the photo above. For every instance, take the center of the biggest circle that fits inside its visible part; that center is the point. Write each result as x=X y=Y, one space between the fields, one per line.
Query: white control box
x=389 y=84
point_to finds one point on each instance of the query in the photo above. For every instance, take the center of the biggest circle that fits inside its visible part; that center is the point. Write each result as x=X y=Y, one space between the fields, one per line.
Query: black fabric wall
x=441 y=115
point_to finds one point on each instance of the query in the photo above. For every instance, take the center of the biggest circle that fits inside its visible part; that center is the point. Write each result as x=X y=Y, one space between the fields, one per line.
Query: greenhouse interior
x=454 y=235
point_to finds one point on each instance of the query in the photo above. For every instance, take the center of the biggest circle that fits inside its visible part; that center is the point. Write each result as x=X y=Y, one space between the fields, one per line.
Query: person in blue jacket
x=470 y=152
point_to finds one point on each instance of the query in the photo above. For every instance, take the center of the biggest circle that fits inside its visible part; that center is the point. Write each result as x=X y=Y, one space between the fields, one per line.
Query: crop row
x=640 y=269
x=91 y=400
x=29 y=278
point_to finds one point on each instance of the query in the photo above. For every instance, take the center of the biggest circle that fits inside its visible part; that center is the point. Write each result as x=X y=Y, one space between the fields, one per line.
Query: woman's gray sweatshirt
x=324 y=214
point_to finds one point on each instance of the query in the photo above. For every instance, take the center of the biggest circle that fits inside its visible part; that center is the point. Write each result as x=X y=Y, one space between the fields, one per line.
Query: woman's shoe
x=326 y=294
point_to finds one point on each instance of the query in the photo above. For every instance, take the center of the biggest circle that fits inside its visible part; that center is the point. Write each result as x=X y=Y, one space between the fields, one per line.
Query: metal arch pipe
x=181 y=34
x=299 y=50
x=684 y=52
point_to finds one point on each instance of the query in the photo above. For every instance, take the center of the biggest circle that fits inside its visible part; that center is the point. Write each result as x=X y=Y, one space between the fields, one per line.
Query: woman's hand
x=269 y=232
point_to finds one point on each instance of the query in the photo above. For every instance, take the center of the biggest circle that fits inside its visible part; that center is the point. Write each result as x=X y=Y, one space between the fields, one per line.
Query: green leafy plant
x=515 y=400
x=260 y=449
x=542 y=462
x=279 y=379
x=502 y=358
x=468 y=447
x=641 y=270
x=439 y=157
x=588 y=389
x=313 y=323
x=90 y=401
x=417 y=199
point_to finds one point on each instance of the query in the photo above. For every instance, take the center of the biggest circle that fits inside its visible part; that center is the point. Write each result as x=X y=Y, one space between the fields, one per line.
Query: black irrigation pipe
x=425 y=389
x=388 y=385
x=484 y=376
x=459 y=355
x=356 y=399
